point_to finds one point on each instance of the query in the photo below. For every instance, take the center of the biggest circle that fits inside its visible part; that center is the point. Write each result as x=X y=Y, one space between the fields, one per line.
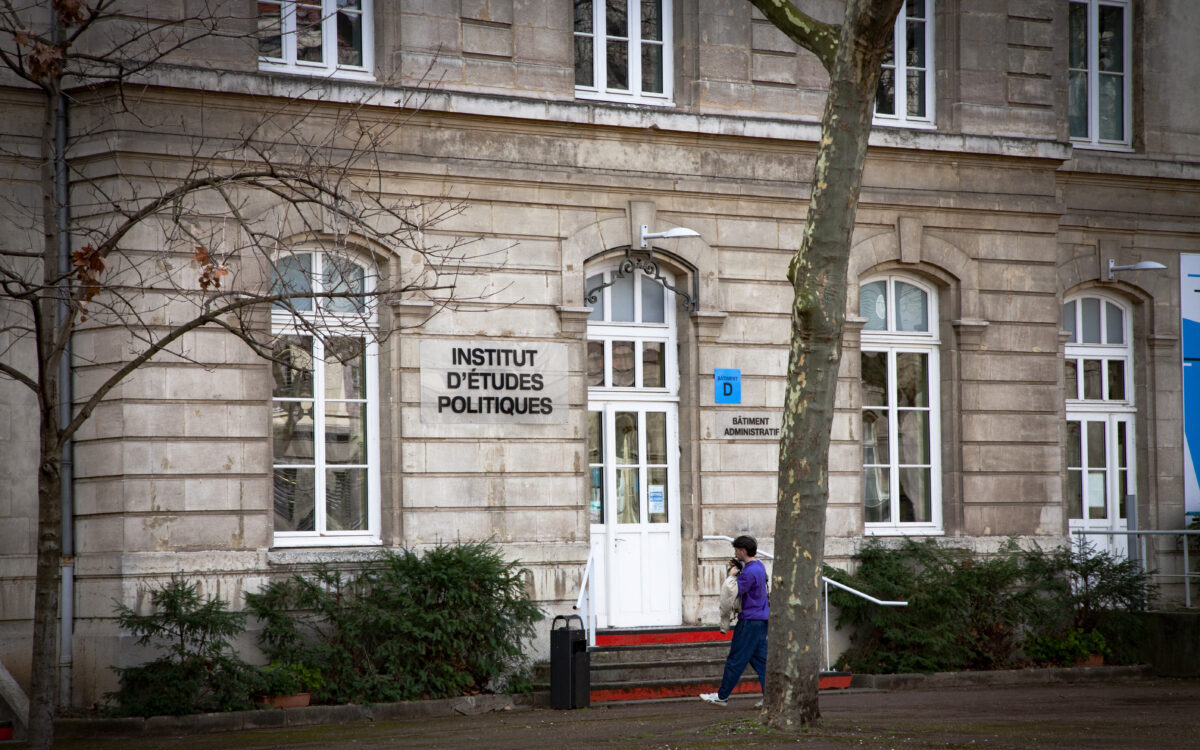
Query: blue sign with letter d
x=727 y=386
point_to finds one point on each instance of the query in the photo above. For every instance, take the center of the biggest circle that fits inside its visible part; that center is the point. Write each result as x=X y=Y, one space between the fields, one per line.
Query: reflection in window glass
x=621 y=296
x=874 y=378
x=628 y=496
x=624 y=366
x=1071 y=378
x=1069 y=321
x=625 y=426
x=595 y=364
x=1116 y=380
x=1114 y=318
x=653 y=372
x=652 y=301
x=1092 y=384
x=872 y=305
x=656 y=437
x=1091 y=320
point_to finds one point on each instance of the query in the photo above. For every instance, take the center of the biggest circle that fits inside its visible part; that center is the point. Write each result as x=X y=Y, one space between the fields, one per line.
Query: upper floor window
x=1099 y=61
x=325 y=405
x=316 y=37
x=905 y=93
x=622 y=50
x=1098 y=352
x=901 y=442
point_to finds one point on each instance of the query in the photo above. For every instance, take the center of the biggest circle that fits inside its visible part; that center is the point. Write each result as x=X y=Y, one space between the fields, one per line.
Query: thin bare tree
x=851 y=53
x=150 y=250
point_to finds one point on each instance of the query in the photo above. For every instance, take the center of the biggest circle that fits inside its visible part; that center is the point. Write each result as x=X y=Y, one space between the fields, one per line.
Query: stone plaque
x=475 y=381
x=748 y=425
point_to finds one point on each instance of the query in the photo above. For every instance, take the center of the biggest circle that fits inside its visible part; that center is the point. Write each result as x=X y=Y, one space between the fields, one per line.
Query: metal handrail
x=586 y=602
x=827 y=581
x=1186 y=575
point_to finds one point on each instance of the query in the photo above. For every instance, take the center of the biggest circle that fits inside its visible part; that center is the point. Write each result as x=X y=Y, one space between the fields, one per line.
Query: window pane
x=595 y=364
x=874 y=379
x=656 y=437
x=617 y=17
x=627 y=496
x=1074 y=494
x=914 y=9
x=270 y=30
x=621 y=296
x=872 y=305
x=618 y=65
x=915 y=499
x=623 y=372
x=912 y=379
x=1077 y=36
x=1091 y=320
x=1096 y=445
x=595 y=437
x=625 y=426
x=1123 y=489
x=292 y=427
x=308 y=33
x=876 y=496
x=1114 y=323
x=875 y=437
x=1071 y=378
x=1069 y=321
x=346 y=499
x=1097 y=495
x=584 y=65
x=293 y=275
x=914 y=437
x=652 y=20
x=1111 y=39
x=294 y=492
x=1078 y=114
x=596 y=503
x=656 y=495
x=653 y=373
x=1122 y=456
x=1074 y=445
x=912 y=308
x=345 y=432
x=349 y=35
x=583 y=16
x=597 y=305
x=1116 y=380
x=653 y=309
x=885 y=93
x=652 y=68
x=1092 y=384
x=293 y=367
x=1112 y=107
x=343 y=276
x=345 y=368
x=916 y=93
x=915 y=43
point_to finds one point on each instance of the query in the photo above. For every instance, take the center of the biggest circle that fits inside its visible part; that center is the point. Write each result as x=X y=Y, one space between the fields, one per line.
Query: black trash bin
x=570 y=664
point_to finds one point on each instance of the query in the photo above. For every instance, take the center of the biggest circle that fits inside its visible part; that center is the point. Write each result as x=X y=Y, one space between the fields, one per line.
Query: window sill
x=899 y=530
x=284 y=542
x=341 y=74
x=615 y=98
x=902 y=124
x=1119 y=148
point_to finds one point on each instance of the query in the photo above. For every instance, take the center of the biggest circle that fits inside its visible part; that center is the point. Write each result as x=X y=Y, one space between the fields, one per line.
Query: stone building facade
x=996 y=380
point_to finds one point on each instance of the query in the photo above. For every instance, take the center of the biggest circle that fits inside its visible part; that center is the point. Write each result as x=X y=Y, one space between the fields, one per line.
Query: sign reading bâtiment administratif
x=479 y=381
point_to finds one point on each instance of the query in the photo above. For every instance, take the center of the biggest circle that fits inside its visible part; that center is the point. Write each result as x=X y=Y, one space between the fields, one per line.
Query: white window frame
x=901 y=118
x=605 y=330
x=1093 y=139
x=1104 y=351
x=330 y=66
x=284 y=322
x=599 y=36
x=893 y=342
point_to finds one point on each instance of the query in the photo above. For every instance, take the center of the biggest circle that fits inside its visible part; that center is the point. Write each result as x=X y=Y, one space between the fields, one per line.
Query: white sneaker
x=712 y=698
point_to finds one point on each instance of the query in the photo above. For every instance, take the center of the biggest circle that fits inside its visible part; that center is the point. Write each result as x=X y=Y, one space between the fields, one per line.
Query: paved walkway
x=1153 y=713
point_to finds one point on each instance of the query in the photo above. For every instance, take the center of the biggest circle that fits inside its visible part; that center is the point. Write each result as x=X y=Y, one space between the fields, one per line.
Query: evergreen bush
x=402 y=627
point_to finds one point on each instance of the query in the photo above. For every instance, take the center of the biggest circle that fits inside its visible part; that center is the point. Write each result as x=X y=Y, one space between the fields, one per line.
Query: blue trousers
x=749 y=646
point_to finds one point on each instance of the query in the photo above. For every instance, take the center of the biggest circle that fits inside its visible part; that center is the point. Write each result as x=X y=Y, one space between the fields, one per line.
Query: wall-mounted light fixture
x=1145 y=265
x=670 y=234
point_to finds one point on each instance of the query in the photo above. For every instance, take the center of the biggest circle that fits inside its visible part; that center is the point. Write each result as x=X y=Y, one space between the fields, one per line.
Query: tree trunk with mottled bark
x=851 y=53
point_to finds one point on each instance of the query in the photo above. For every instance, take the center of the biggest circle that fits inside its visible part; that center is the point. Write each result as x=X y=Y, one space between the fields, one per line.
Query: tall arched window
x=1098 y=376
x=325 y=404
x=900 y=412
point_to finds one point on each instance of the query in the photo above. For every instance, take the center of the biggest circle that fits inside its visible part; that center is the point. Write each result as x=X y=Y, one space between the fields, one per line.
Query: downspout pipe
x=66 y=390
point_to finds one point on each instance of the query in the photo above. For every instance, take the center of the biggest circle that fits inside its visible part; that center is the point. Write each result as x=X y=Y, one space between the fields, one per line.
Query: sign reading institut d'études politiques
x=484 y=381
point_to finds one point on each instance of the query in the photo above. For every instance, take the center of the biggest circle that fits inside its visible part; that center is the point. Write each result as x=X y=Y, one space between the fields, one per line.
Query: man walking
x=749 y=645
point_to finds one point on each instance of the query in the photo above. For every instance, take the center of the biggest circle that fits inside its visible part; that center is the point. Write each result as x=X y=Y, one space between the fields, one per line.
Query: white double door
x=1100 y=476
x=633 y=457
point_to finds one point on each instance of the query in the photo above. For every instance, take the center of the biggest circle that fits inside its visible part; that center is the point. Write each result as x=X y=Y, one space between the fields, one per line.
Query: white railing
x=1140 y=542
x=827 y=582
x=586 y=603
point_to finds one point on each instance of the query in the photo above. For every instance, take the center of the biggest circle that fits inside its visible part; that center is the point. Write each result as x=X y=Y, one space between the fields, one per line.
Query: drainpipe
x=66 y=390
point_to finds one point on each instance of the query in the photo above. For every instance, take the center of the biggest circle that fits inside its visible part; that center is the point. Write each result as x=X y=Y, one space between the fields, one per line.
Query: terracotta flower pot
x=1094 y=660
x=295 y=700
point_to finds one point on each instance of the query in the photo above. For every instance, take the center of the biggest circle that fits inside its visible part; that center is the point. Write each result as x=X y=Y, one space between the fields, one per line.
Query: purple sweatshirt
x=752 y=588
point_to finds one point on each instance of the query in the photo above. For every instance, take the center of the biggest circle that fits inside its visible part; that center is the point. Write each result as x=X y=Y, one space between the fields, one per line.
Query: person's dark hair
x=747 y=543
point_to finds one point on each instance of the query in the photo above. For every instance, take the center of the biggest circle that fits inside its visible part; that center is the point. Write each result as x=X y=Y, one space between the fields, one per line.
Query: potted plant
x=287 y=685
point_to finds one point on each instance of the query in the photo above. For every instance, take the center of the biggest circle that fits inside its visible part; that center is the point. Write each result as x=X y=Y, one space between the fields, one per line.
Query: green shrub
x=199 y=672
x=1065 y=648
x=288 y=679
x=402 y=627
